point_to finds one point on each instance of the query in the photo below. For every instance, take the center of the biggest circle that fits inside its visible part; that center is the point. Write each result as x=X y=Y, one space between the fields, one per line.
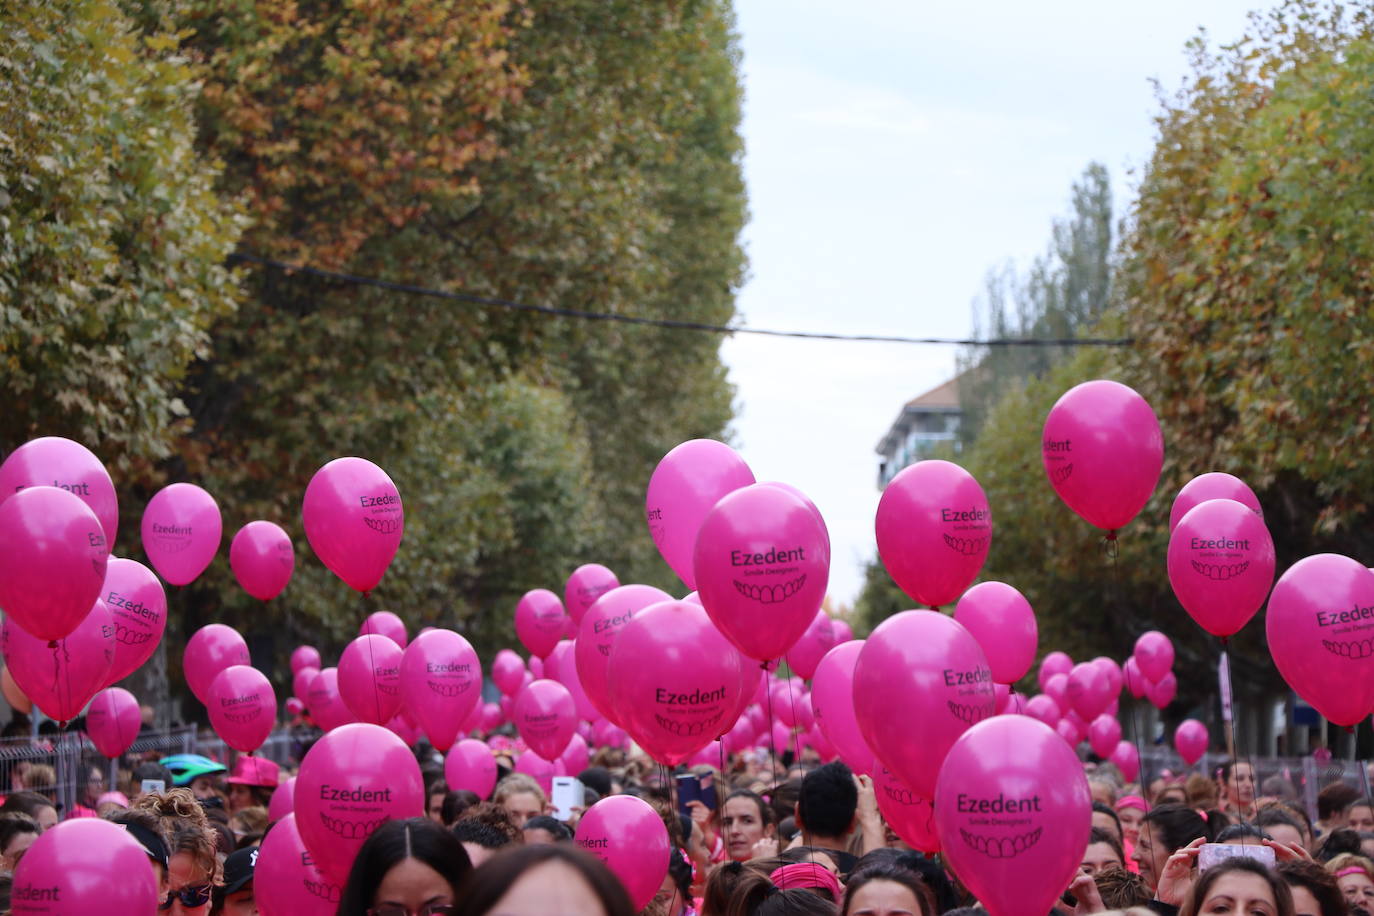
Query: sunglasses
x=429 y=909
x=192 y=895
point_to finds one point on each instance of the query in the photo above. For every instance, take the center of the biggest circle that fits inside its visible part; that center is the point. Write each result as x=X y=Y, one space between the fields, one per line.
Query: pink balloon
x=262 y=559
x=586 y=584
x=469 y=765
x=1103 y=451
x=628 y=835
x=508 y=671
x=209 y=651
x=66 y=465
x=283 y=800
x=608 y=734
x=546 y=717
x=1154 y=655
x=710 y=756
x=674 y=679
x=1221 y=564
x=301 y=681
x=808 y=651
x=1104 y=734
x=353 y=780
x=181 y=532
x=113 y=721
x=441 y=680
x=1045 y=709
x=13 y=695
x=85 y=865
x=1191 y=740
x=920 y=666
x=534 y=673
x=685 y=486
x=739 y=737
x=780 y=738
x=61 y=678
x=807 y=501
x=304 y=657
x=1320 y=628
x=53 y=554
x=566 y=674
x=576 y=755
x=354 y=520
x=909 y=815
x=1215 y=485
x=242 y=707
x=1134 y=680
x=385 y=623
x=1014 y=705
x=1057 y=689
x=934 y=528
x=491 y=716
x=326 y=706
x=1054 y=663
x=404 y=730
x=1161 y=694
x=286 y=880
x=539 y=619
x=596 y=635
x=1002 y=621
x=539 y=769
x=1070 y=731
x=762 y=566
x=1127 y=760
x=1089 y=690
x=138 y=606
x=370 y=678
x=843 y=632
x=1013 y=813
x=1115 y=678
x=295 y=706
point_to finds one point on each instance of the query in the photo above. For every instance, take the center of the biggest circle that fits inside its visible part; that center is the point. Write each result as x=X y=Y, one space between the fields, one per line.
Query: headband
x=805 y=875
x=1132 y=801
x=1352 y=870
x=152 y=843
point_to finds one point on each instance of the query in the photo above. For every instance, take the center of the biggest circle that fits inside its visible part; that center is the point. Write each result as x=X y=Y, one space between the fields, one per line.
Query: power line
x=672 y=323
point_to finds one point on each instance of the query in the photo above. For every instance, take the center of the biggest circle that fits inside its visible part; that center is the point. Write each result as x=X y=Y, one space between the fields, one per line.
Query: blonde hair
x=1348 y=860
x=39 y=777
x=516 y=783
x=183 y=825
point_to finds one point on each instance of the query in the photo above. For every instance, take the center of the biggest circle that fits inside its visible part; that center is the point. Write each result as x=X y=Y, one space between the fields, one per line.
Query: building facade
x=926 y=422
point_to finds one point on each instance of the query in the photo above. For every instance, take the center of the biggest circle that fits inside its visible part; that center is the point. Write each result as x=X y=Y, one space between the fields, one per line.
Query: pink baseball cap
x=119 y=798
x=255 y=771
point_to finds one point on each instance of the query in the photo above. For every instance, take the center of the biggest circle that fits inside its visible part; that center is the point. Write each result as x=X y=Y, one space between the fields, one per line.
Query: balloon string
x=772 y=741
x=1364 y=764
x=372 y=663
x=1111 y=549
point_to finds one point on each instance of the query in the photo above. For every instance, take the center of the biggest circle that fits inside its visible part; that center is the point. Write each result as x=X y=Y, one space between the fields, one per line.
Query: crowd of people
x=767 y=839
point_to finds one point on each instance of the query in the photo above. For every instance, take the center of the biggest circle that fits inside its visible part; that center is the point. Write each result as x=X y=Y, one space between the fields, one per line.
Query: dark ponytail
x=1175 y=826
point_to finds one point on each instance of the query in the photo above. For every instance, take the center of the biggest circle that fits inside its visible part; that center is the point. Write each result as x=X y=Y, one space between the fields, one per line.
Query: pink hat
x=255 y=771
x=118 y=798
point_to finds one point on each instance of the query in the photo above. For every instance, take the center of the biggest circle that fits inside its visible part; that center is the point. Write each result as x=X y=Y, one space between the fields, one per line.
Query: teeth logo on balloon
x=770 y=594
x=448 y=690
x=351 y=830
x=1062 y=473
x=900 y=794
x=243 y=718
x=1003 y=847
x=323 y=890
x=383 y=525
x=1354 y=648
x=969 y=547
x=1220 y=572
x=971 y=713
x=130 y=637
x=604 y=650
x=683 y=729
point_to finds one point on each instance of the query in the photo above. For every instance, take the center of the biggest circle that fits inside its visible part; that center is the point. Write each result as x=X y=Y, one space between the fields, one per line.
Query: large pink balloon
x=628 y=835
x=326 y=706
x=53 y=554
x=1089 y=690
x=1154 y=655
x=762 y=565
x=1127 y=760
x=1002 y=621
x=370 y=678
x=920 y=666
x=1103 y=451
x=674 y=679
x=139 y=608
x=586 y=584
x=441 y=680
x=181 y=532
x=596 y=635
x=508 y=672
x=818 y=639
x=469 y=765
x=1221 y=564
x=262 y=559
x=283 y=800
x=910 y=816
x=546 y=717
x=385 y=623
x=1054 y=663
x=1320 y=628
x=353 y=780
x=1013 y=812
x=1191 y=740
x=85 y=865
x=52 y=461
x=209 y=651
x=684 y=488
x=61 y=679
x=539 y=621
x=1104 y=734
x=304 y=657
x=1215 y=485
x=242 y=707
x=354 y=520
x=286 y=880
x=934 y=528
x=112 y=721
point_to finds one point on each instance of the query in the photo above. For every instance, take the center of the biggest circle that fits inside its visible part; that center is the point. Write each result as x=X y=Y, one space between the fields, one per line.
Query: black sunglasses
x=192 y=895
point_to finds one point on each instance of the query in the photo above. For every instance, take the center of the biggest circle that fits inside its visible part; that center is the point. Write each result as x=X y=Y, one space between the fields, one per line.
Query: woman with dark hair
x=406 y=868
x=1314 y=889
x=456 y=803
x=1103 y=852
x=794 y=903
x=1239 y=887
x=1236 y=788
x=1166 y=830
x=886 y=888
x=535 y=880
x=38 y=807
x=1285 y=825
x=746 y=822
x=17 y=833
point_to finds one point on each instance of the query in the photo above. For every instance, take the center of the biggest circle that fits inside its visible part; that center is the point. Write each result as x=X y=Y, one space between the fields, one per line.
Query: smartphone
x=568 y=794
x=692 y=788
x=153 y=787
x=1210 y=854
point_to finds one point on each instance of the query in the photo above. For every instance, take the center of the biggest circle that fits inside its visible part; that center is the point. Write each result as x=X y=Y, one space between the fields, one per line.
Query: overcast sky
x=895 y=151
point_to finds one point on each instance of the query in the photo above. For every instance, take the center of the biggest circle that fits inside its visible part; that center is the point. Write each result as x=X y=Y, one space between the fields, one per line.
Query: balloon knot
x=1110 y=547
x=1350 y=729
x=933 y=607
x=1111 y=535
x=52 y=644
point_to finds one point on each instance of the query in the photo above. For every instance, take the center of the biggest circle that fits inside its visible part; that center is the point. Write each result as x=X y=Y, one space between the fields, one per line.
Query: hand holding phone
x=568 y=794
x=1215 y=853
